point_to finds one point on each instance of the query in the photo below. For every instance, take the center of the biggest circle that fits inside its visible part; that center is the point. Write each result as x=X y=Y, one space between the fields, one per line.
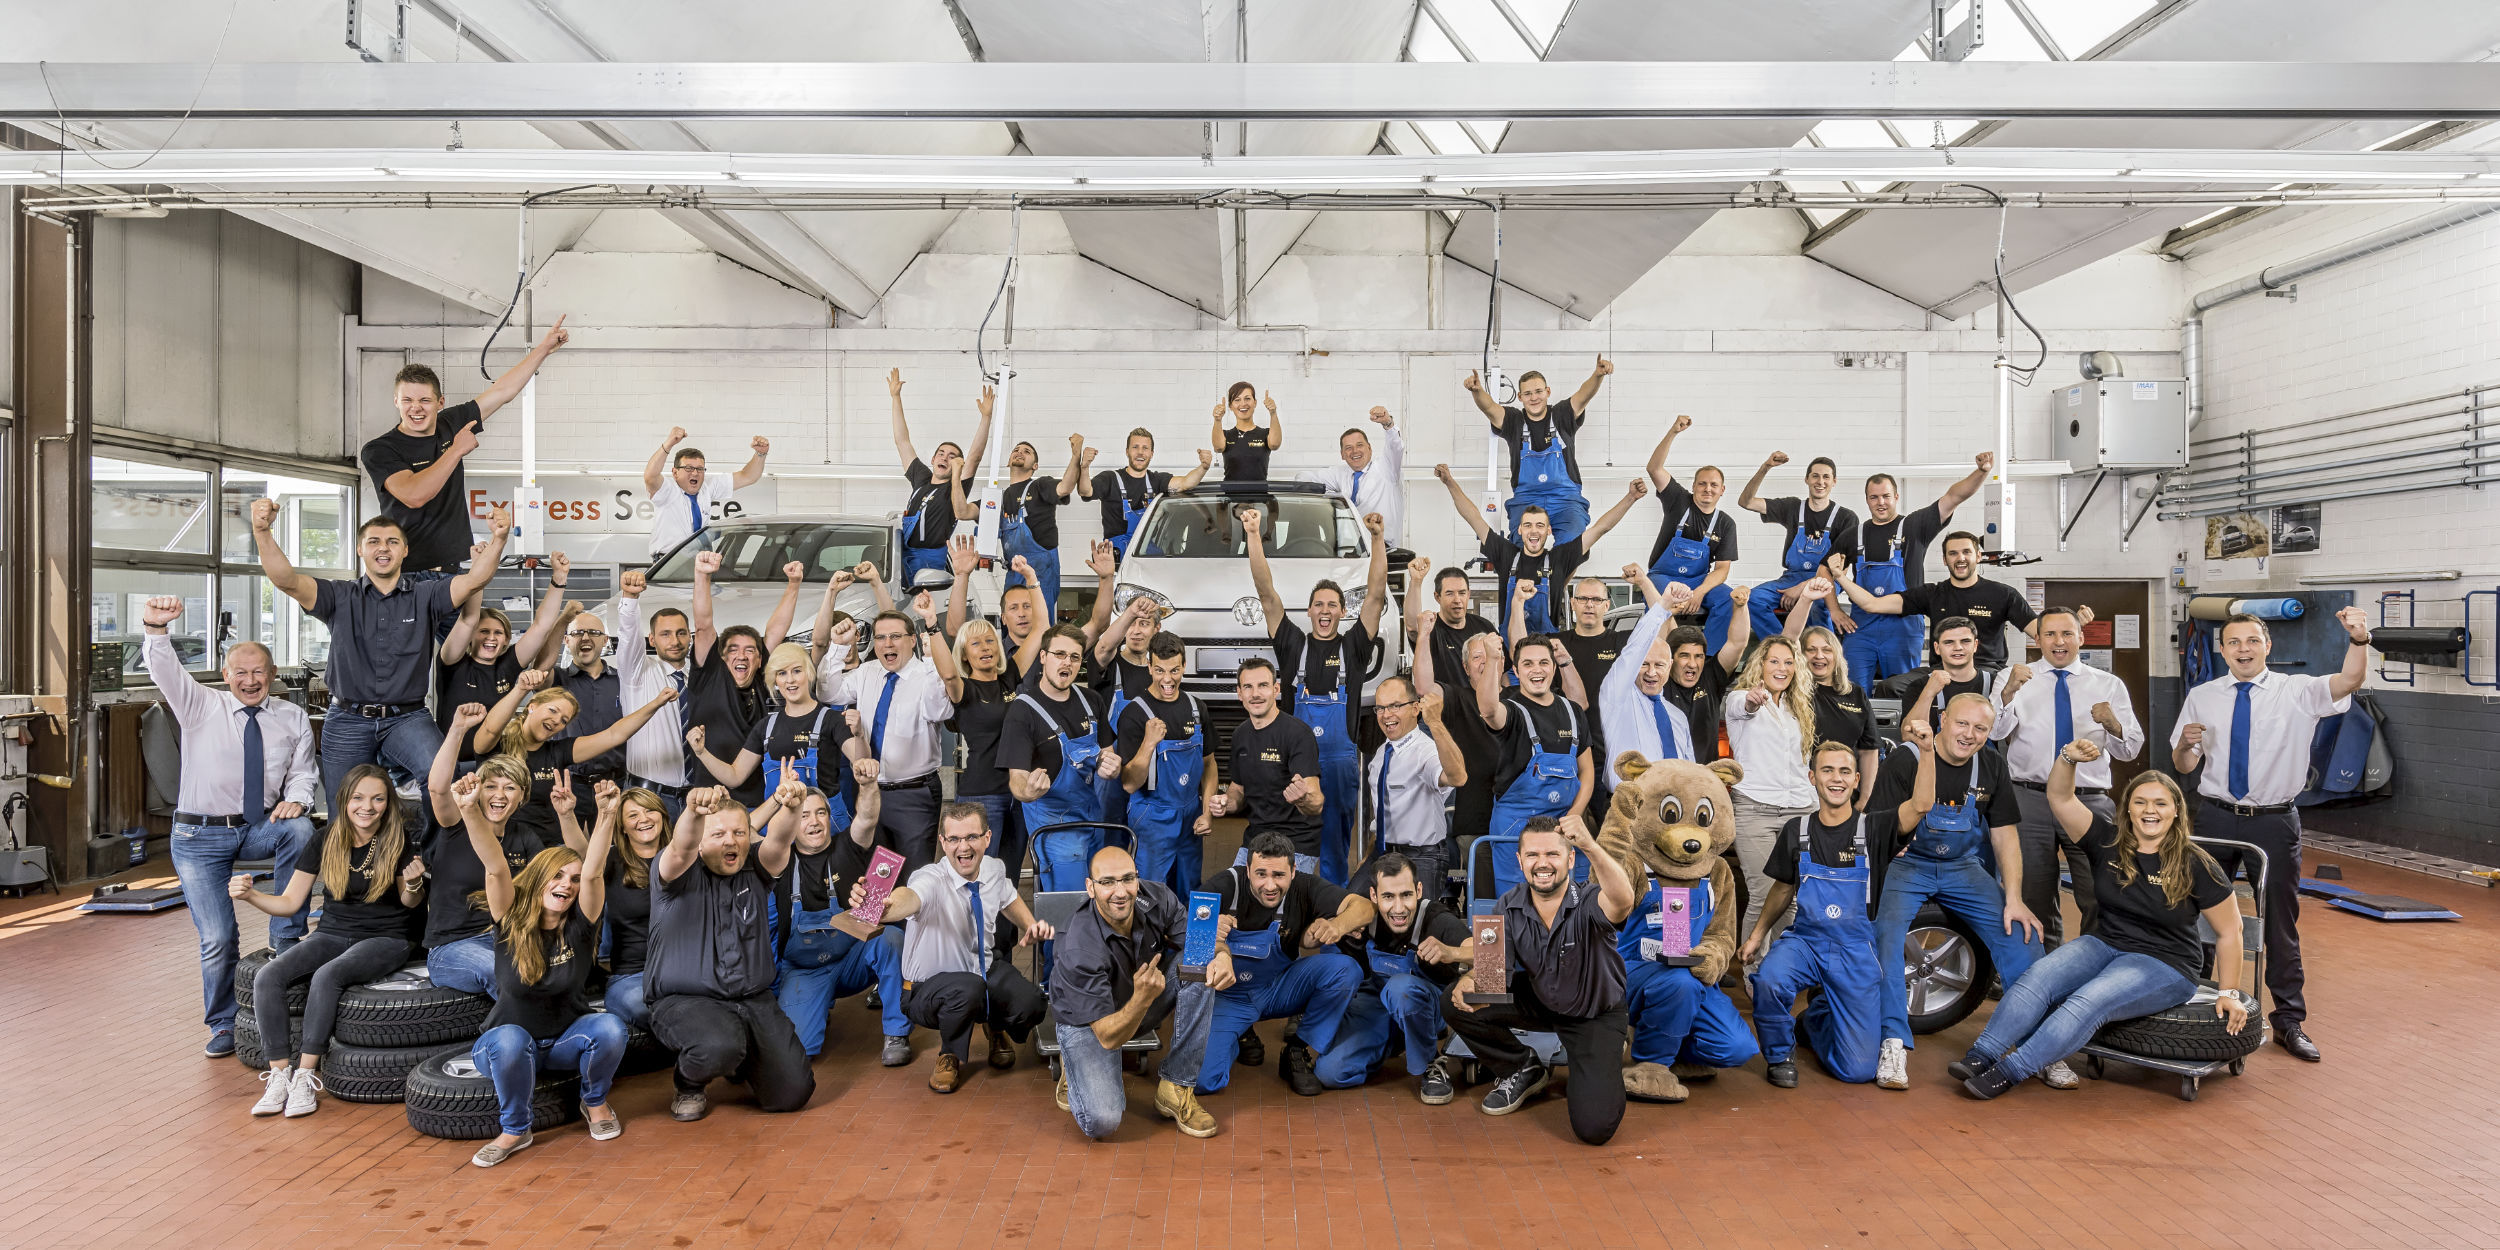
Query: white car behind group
x=753 y=554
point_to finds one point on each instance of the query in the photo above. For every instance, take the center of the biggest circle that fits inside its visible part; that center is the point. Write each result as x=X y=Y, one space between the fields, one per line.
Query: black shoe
x=872 y=1000
x=1438 y=1088
x=1253 y=1050
x=1988 y=1084
x=1968 y=1066
x=1513 y=1092
x=1300 y=1069
x=2290 y=1038
x=1782 y=1074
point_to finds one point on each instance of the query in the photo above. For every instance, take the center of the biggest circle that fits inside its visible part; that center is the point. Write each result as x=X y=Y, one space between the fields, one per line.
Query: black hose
x=1997 y=263
x=519 y=282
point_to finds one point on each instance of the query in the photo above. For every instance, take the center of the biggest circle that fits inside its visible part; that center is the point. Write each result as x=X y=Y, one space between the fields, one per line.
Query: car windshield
x=756 y=552
x=1292 y=527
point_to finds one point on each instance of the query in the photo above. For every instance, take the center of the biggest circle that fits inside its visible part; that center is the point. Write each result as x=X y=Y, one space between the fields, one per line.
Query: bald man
x=249 y=783
x=1113 y=978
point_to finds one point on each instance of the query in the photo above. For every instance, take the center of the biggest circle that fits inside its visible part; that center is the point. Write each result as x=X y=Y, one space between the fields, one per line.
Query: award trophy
x=1205 y=907
x=1492 y=959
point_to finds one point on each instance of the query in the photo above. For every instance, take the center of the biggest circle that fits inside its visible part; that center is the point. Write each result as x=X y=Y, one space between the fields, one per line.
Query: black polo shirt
x=602 y=700
x=438 y=530
x=1264 y=761
x=1573 y=968
x=1094 y=965
x=1036 y=500
x=1848 y=719
x=711 y=936
x=381 y=645
x=1594 y=655
x=1680 y=515
x=467 y=680
x=1560 y=418
x=1322 y=663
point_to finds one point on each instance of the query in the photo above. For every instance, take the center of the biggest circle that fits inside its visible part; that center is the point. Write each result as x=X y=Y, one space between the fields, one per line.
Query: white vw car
x=1188 y=556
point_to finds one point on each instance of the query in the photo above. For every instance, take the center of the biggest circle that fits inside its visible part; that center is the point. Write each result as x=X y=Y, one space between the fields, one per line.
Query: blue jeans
x=1095 y=1094
x=1569 y=517
x=625 y=1000
x=405 y=744
x=1318 y=986
x=1677 y=1019
x=204 y=858
x=592 y=1045
x=1964 y=889
x=467 y=965
x=1404 y=1015
x=806 y=994
x=2066 y=997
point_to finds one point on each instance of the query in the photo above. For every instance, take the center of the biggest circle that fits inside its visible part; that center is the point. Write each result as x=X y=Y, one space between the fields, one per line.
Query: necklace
x=364 y=865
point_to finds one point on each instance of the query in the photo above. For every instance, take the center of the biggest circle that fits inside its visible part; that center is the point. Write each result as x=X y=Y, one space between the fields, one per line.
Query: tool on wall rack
x=2413 y=644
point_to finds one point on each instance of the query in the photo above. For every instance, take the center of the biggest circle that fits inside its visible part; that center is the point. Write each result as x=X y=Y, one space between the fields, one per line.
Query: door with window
x=2117 y=641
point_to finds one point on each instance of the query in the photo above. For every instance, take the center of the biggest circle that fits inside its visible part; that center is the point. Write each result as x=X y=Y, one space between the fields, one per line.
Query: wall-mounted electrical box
x=2119 y=423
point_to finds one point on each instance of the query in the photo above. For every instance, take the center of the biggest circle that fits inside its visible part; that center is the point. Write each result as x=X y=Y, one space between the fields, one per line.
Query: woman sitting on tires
x=643 y=824
x=459 y=935
x=370 y=870
x=546 y=932
x=2143 y=953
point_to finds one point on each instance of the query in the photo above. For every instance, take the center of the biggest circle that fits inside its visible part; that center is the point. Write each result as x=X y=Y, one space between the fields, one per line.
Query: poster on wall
x=2237 y=536
x=2295 y=530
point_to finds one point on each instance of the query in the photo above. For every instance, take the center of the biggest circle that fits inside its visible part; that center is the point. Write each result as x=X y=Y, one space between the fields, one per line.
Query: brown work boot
x=948 y=1076
x=1002 y=1051
x=1179 y=1104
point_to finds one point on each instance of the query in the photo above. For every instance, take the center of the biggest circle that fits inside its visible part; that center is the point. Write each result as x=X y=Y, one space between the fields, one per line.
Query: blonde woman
x=1843 y=711
x=642 y=829
x=370 y=870
x=802 y=733
x=546 y=933
x=2143 y=953
x=1770 y=731
x=529 y=724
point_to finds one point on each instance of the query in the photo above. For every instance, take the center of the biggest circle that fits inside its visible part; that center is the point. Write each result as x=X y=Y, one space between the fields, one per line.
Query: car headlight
x=1249 y=613
x=1127 y=592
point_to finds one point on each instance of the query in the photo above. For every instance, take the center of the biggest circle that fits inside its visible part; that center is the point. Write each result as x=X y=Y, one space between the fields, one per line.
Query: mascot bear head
x=1670 y=819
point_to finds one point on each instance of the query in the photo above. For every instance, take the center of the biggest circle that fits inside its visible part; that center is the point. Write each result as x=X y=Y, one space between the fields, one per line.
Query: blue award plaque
x=1205 y=907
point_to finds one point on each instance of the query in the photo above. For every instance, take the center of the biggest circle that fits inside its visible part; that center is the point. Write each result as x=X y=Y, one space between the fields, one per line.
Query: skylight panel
x=1852 y=132
x=1543 y=17
x=2078 y=26
x=1429 y=44
x=1484 y=31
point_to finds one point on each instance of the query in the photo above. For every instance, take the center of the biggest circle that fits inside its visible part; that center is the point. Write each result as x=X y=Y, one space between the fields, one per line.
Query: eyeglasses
x=1589 y=599
x=971 y=841
x=1407 y=703
x=1108 y=882
x=1070 y=656
x=585 y=633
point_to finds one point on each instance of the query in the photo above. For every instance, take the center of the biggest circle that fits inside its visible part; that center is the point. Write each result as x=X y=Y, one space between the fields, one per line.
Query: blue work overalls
x=1687 y=560
x=1396 y=1009
x=1545 y=480
x=1546 y=787
x=1130 y=510
x=1015 y=538
x=1797 y=566
x=1541 y=604
x=1269 y=983
x=1331 y=718
x=1942 y=864
x=1883 y=645
x=1060 y=860
x=1675 y=1017
x=916 y=528
x=1831 y=947
x=1109 y=795
x=1163 y=813
x=821 y=964
x=811 y=770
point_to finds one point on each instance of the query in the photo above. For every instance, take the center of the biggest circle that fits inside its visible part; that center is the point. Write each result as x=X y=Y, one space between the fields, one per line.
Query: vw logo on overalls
x=1553 y=796
x=1542 y=478
x=1831 y=911
x=1183 y=781
x=1319 y=731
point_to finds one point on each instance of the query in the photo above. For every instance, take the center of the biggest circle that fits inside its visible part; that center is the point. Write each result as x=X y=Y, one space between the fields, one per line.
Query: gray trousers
x=2043 y=845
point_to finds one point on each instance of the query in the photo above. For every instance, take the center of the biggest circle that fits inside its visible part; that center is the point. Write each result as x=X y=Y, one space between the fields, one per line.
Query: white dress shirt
x=2283 y=713
x=1764 y=741
x=1383 y=489
x=657 y=751
x=672 y=515
x=2027 y=724
x=830 y=670
x=1630 y=719
x=1417 y=814
x=920 y=708
x=212 y=741
x=938 y=939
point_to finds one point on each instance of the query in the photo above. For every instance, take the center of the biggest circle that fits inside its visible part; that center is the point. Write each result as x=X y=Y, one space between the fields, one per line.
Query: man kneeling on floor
x=1566 y=977
x=823 y=960
x=1111 y=980
x=1826 y=864
x=1411 y=952
x=709 y=976
x=1281 y=928
x=952 y=976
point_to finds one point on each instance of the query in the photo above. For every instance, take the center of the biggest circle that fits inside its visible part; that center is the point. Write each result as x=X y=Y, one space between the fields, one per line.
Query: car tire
x=248 y=1048
x=366 y=1074
x=449 y=1098
x=247 y=969
x=2190 y=1031
x=1948 y=970
x=406 y=1010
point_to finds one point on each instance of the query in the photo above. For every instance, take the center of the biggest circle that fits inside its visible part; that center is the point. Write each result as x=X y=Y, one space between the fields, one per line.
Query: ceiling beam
x=1255 y=91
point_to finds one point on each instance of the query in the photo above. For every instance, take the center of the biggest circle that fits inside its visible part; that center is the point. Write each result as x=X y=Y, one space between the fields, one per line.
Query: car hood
x=1215 y=585
x=747 y=603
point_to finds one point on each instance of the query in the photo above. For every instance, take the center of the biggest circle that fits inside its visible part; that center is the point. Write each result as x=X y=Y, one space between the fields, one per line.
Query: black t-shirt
x=798 y=735
x=822 y=880
x=1245 y=453
x=1560 y=418
x=1322 y=664
x=1704 y=705
x=1985 y=770
x=711 y=935
x=1991 y=606
x=1789 y=513
x=1029 y=739
x=1910 y=532
x=438 y=531
x=1131 y=677
x=535 y=813
x=1554 y=566
x=1832 y=844
x=1308 y=897
x=978 y=717
x=561 y=994
x=1036 y=500
x=469 y=681
x=1906 y=687
x=929 y=518
x=1594 y=655
x=727 y=714
x=2137 y=917
x=1848 y=719
x=449 y=916
x=1560 y=724
x=1432 y=920
x=628 y=918
x=1458 y=714
x=1264 y=762
x=1680 y=515
x=347 y=914
x=1180 y=721
x=1113 y=485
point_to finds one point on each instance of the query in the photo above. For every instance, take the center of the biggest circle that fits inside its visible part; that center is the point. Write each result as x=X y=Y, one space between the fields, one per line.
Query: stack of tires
x=384 y=1030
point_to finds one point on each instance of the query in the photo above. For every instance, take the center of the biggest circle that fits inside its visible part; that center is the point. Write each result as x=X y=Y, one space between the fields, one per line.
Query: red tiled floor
x=122 y=1136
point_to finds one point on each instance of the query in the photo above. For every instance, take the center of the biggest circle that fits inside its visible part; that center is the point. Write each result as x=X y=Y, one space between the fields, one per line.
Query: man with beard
x=656 y=758
x=1326 y=690
x=1274 y=771
x=598 y=690
x=1124 y=492
x=1164 y=767
x=1280 y=928
x=709 y=975
x=1113 y=980
x=1566 y=977
x=1990 y=606
x=724 y=692
x=937 y=502
x=1410 y=953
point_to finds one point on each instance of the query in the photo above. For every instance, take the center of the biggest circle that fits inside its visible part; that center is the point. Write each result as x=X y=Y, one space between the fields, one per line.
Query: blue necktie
x=980 y=961
x=2239 y=741
x=876 y=732
x=256 y=776
x=1666 y=727
x=1380 y=798
x=1354 y=493
x=694 y=504
x=2065 y=711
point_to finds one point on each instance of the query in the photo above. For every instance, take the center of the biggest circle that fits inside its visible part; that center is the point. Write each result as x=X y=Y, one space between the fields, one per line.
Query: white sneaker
x=2058 y=1076
x=304 y=1097
x=275 y=1085
x=1892 y=1069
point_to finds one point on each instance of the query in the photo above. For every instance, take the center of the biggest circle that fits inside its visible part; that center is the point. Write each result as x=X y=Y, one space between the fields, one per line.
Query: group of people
x=770 y=827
